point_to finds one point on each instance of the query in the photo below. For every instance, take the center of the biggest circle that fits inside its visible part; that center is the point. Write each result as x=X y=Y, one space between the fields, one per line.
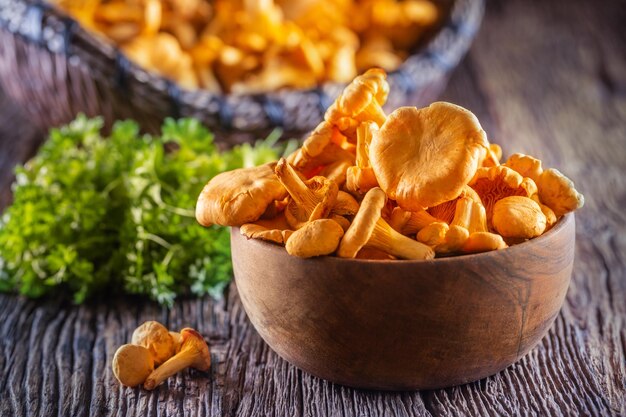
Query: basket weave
x=55 y=69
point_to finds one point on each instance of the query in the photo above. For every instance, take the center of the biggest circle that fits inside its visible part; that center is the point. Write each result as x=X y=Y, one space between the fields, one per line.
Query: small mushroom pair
x=155 y=354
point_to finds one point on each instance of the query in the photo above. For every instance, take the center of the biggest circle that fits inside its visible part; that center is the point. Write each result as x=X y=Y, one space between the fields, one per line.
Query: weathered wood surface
x=547 y=78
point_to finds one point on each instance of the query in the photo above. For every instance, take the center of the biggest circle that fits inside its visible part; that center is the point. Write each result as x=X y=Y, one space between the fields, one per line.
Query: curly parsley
x=92 y=213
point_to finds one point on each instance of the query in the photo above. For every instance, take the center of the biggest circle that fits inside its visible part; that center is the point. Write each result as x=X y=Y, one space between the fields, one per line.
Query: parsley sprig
x=93 y=213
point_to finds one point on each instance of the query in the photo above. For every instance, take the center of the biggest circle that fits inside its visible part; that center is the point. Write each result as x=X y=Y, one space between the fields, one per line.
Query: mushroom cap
x=272 y=230
x=368 y=90
x=193 y=340
x=495 y=183
x=316 y=238
x=483 y=242
x=525 y=165
x=456 y=237
x=322 y=147
x=240 y=196
x=156 y=338
x=132 y=364
x=518 y=217
x=558 y=192
x=424 y=157
x=363 y=224
x=345 y=205
x=434 y=234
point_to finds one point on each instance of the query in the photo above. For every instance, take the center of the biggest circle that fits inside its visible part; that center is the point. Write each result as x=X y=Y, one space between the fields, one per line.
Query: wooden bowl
x=405 y=325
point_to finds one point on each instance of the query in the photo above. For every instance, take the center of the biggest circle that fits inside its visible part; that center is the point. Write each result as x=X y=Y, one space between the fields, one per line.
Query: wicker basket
x=55 y=69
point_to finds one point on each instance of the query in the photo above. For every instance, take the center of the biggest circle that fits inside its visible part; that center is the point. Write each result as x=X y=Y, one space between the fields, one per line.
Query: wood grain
x=405 y=325
x=544 y=77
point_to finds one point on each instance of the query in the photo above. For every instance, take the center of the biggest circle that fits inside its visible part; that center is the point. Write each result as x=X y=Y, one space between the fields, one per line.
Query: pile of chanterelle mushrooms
x=411 y=185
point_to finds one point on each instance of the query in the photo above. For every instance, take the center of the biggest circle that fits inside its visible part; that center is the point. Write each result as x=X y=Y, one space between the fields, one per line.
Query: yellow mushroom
x=425 y=157
x=468 y=231
x=275 y=230
x=445 y=211
x=310 y=200
x=156 y=338
x=132 y=364
x=240 y=196
x=547 y=211
x=410 y=222
x=497 y=182
x=558 y=192
x=316 y=238
x=369 y=229
x=434 y=234
x=194 y=352
x=362 y=99
x=321 y=148
x=345 y=205
x=518 y=217
x=361 y=178
x=525 y=165
x=471 y=215
x=178 y=340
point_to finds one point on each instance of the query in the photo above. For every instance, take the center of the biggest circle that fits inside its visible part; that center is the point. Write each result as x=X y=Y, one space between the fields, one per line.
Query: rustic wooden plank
x=547 y=78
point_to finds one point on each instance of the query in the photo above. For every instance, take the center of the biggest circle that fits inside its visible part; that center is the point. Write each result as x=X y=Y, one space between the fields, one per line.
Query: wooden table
x=545 y=78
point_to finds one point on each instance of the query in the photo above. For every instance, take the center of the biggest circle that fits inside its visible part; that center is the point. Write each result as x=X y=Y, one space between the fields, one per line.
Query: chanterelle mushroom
x=316 y=238
x=132 y=364
x=410 y=222
x=495 y=183
x=194 y=352
x=424 y=157
x=445 y=211
x=273 y=230
x=156 y=338
x=361 y=178
x=362 y=99
x=310 y=200
x=518 y=217
x=321 y=148
x=369 y=229
x=525 y=165
x=240 y=196
x=558 y=192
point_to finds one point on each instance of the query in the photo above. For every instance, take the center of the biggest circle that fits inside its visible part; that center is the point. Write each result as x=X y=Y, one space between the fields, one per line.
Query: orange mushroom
x=525 y=165
x=275 y=230
x=361 y=178
x=321 y=148
x=558 y=192
x=369 y=229
x=495 y=183
x=425 y=157
x=518 y=217
x=410 y=222
x=445 y=211
x=361 y=100
x=240 y=196
x=310 y=200
x=316 y=238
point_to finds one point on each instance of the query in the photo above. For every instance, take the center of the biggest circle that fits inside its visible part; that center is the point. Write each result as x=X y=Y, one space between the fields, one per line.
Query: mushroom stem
x=375 y=113
x=194 y=352
x=386 y=239
x=294 y=185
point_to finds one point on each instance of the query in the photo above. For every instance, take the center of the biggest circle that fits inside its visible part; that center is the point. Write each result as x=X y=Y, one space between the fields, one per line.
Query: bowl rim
x=561 y=224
